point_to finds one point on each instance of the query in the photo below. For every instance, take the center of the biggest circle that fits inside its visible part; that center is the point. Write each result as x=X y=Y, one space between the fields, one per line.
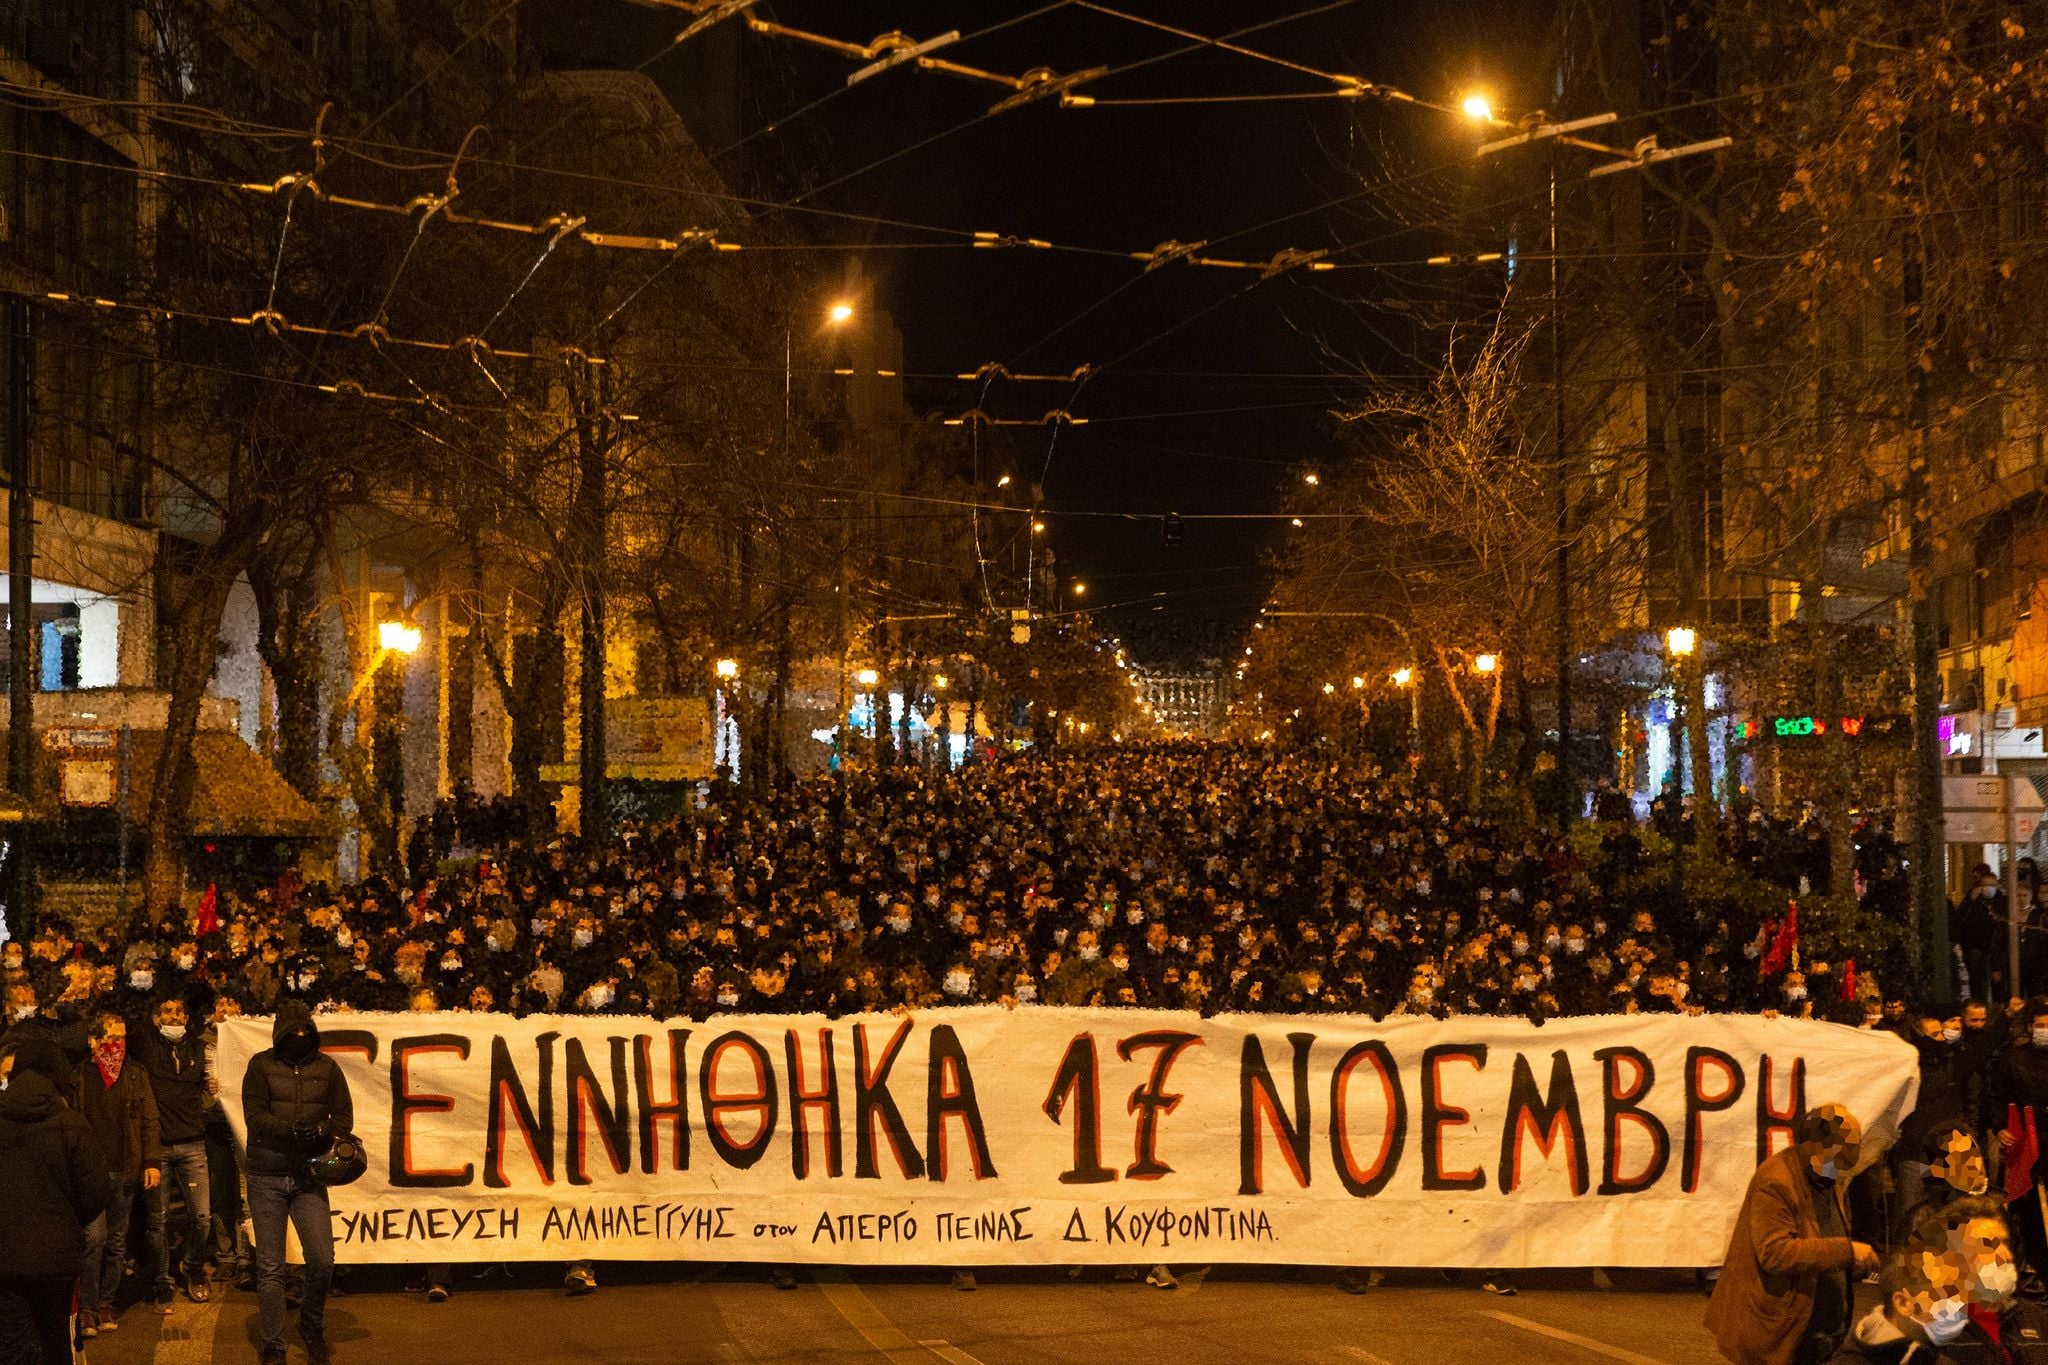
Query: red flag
x=209 y=911
x=1849 y=979
x=287 y=891
x=1783 y=944
x=2026 y=1150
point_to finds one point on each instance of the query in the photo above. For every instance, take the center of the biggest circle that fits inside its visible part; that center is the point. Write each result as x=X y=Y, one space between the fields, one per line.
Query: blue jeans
x=184 y=1162
x=230 y=1243
x=106 y=1251
x=272 y=1199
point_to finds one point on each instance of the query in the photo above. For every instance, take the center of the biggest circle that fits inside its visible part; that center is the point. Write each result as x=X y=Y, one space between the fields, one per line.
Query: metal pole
x=21 y=626
x=2012 y=886
x=1567 y=788
x=121 y=827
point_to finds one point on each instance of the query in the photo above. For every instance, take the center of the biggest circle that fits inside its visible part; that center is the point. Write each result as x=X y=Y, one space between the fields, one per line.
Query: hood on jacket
x=293 y=1033
x=29 y=1098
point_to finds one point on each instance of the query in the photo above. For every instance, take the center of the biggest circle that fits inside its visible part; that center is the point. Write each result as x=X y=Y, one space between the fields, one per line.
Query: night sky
x=1181 y=340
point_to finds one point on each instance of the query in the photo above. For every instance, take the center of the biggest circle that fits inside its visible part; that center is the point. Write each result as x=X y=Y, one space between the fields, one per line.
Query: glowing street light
x=1357 y=683
x=1003 y=482
x=1485 y=663
x=840 y=313
x=397 y=637
x=1080 y=588
x=727 y=669
x=1403 y=676
x=1329 y=689
x=1478 y=108
x=1312 y=479
x=1037 y=528
x=940 y=682
x=1295 y=522
x=867 y=677
x=1681 y=641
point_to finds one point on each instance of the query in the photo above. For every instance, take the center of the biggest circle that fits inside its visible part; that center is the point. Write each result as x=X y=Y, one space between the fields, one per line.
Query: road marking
x=948 y=1352
x=186 y=1337
x=861 y=1314
x=1361 y=1354
x=1584 y=1343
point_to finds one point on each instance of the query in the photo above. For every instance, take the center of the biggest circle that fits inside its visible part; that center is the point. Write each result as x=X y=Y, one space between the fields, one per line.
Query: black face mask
x=297 y=1045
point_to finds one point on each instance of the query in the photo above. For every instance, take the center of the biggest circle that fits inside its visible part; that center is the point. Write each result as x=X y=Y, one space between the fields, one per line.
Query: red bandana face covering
x=110 y=1055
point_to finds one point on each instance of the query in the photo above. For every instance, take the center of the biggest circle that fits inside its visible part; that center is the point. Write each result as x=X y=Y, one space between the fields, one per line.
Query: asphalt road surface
x=732 y=1316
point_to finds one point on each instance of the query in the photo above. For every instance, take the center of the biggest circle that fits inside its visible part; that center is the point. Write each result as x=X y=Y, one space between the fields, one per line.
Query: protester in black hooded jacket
x=53 y=1181
x=295 y=1101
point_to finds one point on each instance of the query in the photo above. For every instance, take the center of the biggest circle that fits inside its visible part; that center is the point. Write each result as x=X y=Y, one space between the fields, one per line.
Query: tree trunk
x=196 y=632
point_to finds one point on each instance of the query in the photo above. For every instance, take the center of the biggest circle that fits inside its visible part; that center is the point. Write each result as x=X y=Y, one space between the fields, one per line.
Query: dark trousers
x=106 y=1251
x=35 y=1319
x=272 y=1200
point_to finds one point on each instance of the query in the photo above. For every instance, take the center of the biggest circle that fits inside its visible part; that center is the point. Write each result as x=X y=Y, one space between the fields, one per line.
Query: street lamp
x=1485 y=663
x=727 y=669
x=398 y=637
x=1403 y=676
x=1681 y=641
x=867 y=677
x=1003 y=482
x=1357 y=683
x=1080 y=588
x=1312 y=479
x=1037 y=528
x=1329 y=689
x=840 y=313
x=1478 y=108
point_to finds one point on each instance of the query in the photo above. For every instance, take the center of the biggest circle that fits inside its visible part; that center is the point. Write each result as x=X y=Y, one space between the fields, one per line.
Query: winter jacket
x=294 y=1098
x=122 y=1117
x=1776 y=1256
x=177 y=1073
x=53 y=1180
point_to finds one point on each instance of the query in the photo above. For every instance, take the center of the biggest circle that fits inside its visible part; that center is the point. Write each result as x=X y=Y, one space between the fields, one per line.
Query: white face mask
x=1795 y=992
x=600 y=997
x=1951 y=1316
x=173 y=1033
x=1027 y=993
x=22 y=1013
x=2040 y=1036
x=184 y=961
x=1951 y=1035
x=958 y=983
x=581 y=938
x=1088 y=952
x=728 y=998
x=142 y=981
x=2000 y=1280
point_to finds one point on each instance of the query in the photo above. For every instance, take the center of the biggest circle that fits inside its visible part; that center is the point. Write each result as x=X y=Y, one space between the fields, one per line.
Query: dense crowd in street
x=1207 y=879
x=1204 y=878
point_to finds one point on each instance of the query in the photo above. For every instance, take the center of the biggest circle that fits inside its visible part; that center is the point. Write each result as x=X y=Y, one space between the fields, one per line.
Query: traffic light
x=1172 y=529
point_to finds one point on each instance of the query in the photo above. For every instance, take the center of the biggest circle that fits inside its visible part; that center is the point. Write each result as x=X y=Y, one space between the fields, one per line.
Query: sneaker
x=163 y=1299
x=437 y=1293
x=1159 y=1277
x=1501 y=1285
x=1355 y=1281
x=88 y=1325
x=106 y=1320
x=780 y=1277
x=964 y=1281
x=579 y=1281
x=1126 y=1274
x=196 y=1290
x=316 y=1348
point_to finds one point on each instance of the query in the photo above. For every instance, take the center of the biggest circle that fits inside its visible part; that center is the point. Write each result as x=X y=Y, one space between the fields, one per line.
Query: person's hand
x=2005 y=1139
x=1866 y=1257
x=151 y=1177
x=2015 y=1005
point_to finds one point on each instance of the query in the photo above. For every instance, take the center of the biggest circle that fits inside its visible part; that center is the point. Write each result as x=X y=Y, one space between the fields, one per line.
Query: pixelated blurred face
x=1988 y=1270
x=171 y=1012
x=1840 y=1149
x=1962 y=1166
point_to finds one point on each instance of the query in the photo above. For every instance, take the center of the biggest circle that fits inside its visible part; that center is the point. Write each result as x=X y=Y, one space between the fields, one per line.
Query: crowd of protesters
x=1197 y=877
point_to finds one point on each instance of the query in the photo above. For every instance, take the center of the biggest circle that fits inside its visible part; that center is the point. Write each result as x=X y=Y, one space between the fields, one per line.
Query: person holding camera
x=296 y=1102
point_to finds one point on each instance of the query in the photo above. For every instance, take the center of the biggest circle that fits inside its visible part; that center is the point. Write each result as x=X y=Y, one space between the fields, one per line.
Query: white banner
x=986 y=1136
